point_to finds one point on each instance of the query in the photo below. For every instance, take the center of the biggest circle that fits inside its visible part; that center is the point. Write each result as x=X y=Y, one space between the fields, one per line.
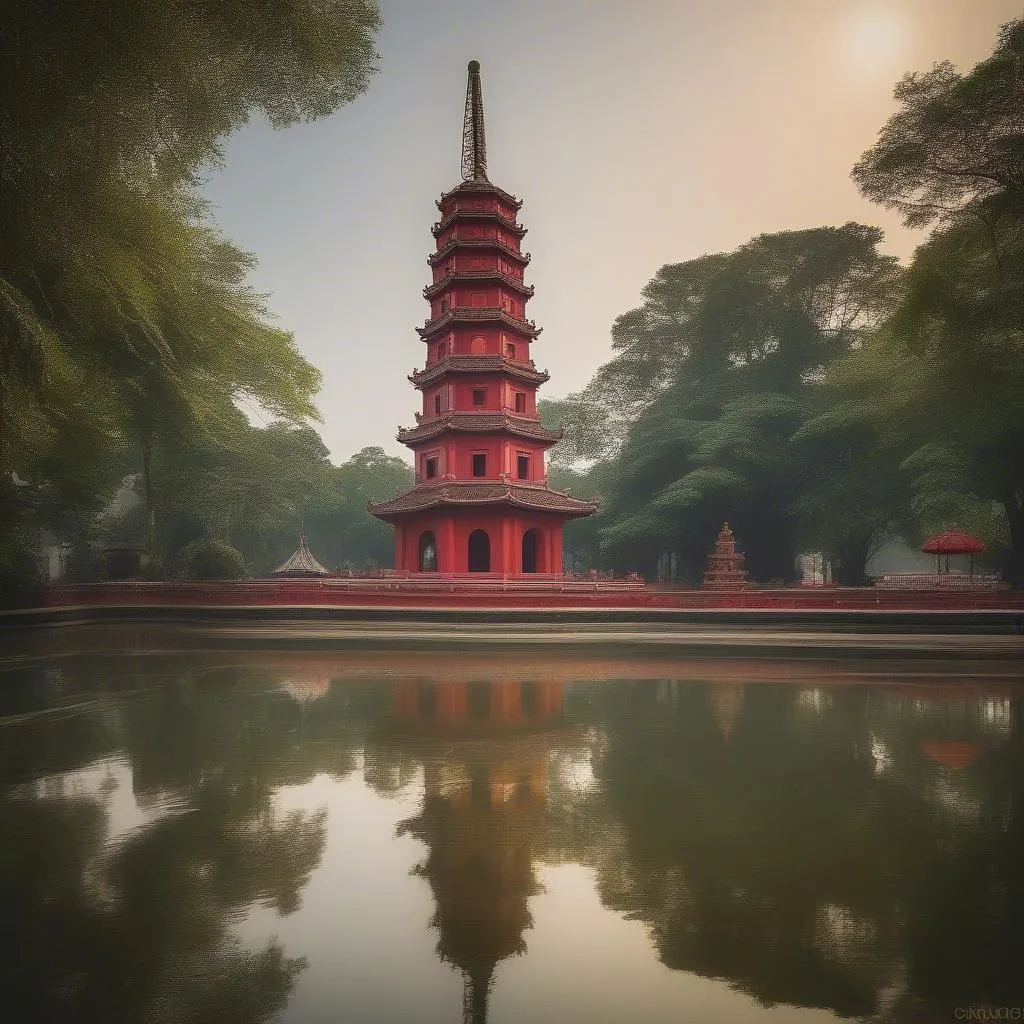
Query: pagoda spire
x=475 y=993
x=474 y=139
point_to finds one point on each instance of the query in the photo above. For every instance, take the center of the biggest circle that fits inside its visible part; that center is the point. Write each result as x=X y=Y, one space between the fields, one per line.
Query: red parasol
x=952 y=542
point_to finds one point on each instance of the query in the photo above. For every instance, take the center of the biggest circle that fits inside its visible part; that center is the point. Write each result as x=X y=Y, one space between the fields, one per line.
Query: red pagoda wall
x=502 y=454
x=452 y=530
x=499 y=396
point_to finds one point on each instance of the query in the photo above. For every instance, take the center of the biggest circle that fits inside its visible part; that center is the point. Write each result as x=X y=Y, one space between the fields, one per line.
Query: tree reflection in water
x=141 y=929
x=852 y=848
x=803 y=846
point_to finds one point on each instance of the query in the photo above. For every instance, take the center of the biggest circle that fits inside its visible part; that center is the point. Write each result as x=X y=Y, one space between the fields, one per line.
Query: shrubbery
x=153 y=568
x=209 y=560
x=22 y=575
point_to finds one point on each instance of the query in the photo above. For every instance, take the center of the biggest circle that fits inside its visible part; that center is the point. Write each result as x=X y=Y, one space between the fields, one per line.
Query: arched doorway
x=531 y=542
x=428 y=552
x=479 y=552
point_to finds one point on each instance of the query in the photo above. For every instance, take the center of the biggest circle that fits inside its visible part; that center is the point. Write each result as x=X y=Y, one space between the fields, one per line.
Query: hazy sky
x=637 y=132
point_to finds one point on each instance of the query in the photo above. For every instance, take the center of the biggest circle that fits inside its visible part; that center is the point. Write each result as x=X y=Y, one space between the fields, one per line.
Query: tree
x=210 y=560
x=959 y=331
x=721 y=367
x=341 y=530
x=956 y=146
x=954 y=154
x=121 y=311
x=246 y=486
x=855 y=492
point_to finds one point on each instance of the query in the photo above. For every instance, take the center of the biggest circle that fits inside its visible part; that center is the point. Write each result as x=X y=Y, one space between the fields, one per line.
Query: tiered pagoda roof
x=479 y=423
x=525 y=371
x=477 y=243
x=472 y=313
x=494 y=216
x=481 y=186
x=538 y=498
x=486 y=274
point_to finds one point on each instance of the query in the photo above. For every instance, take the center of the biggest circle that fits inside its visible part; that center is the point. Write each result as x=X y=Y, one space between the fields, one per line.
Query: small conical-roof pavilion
x=302 y=563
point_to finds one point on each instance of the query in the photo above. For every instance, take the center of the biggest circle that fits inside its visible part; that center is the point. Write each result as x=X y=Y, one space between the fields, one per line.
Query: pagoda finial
x=474 y=140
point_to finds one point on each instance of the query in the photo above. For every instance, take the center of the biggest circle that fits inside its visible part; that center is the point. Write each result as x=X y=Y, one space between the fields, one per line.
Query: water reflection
x=484 y=750
x=844 y=843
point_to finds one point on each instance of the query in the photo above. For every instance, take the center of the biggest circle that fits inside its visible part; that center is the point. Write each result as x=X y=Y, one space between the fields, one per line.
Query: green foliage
x=125 y=320
x=254 y=487
x=954 y=152
x=580 y=537
x=21 y=567
x=248 y=486
x=813 y=393
x=210 y=560
x=341 y=530
x=956 y=144
x=154 y=568
x=717 y=372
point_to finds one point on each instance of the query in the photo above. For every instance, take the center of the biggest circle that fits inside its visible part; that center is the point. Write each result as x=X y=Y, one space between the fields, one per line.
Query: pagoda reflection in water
x=484 y=749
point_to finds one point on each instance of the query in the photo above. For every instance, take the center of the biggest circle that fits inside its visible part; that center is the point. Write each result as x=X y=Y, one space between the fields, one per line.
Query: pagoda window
x=430 y=467
x=441 y=350
x=476 y=263
x=479 y=553
x=520 y=402
x=479 y=464
x=530 y=551
x=444 y=306
x=437 y=405
x=523 y=467
x=478 y=346
x=428 y=552
x=510 y=350
x=478 y=299
x=479 y=396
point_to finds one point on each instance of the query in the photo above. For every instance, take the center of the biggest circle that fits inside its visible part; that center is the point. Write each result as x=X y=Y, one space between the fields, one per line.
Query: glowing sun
x=875 y=38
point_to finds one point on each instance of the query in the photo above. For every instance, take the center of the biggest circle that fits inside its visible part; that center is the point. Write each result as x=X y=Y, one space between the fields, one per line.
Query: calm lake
x=239 y=835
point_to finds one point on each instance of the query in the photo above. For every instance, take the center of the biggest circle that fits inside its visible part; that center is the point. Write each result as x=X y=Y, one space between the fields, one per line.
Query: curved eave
x=491 y=216
x=478 y=423
x=466 y=495
x=474 y=365
x=480 y=188
x=478 y=243
x=472 y=315
x=469 y=276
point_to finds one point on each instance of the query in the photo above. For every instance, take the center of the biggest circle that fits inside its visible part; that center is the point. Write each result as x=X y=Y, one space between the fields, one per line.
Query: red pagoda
x=724 y=570
x=481 y=502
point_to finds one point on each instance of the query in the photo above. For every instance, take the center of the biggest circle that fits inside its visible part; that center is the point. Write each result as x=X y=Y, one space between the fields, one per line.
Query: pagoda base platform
x=425 y=608
x=635 y=625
